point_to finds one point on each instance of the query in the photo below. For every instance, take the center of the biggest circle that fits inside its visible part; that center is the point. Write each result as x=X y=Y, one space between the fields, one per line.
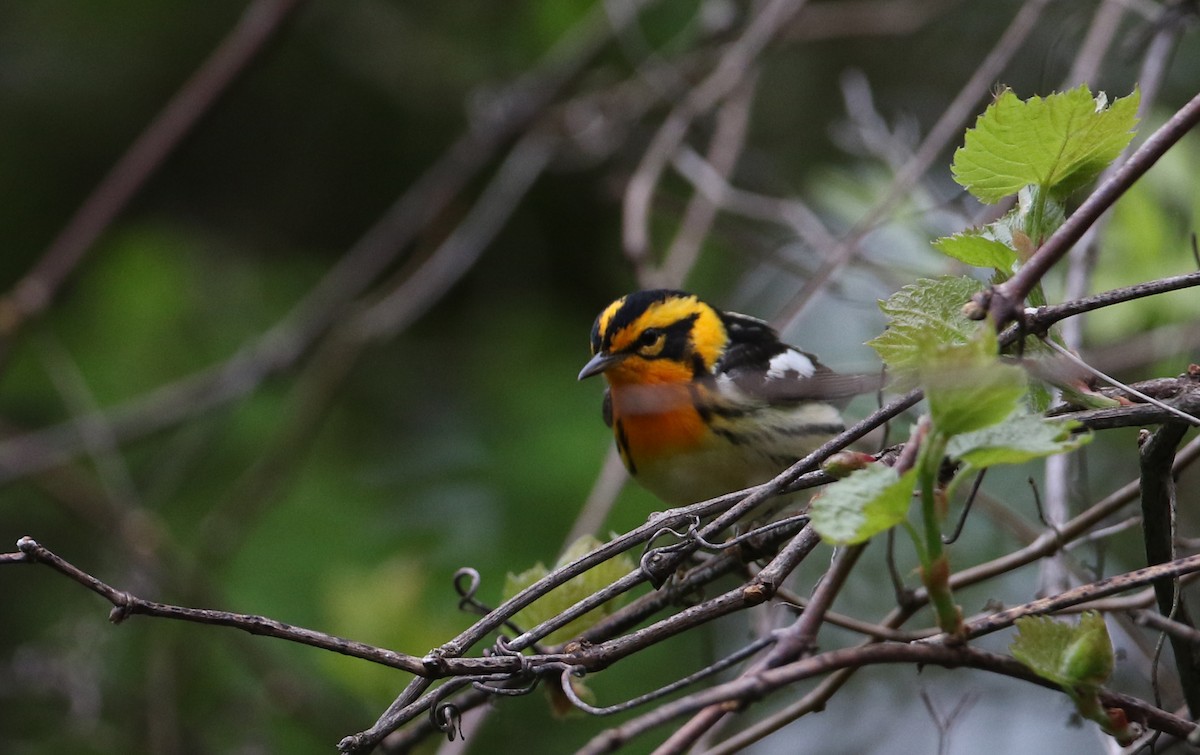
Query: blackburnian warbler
x=703 y=402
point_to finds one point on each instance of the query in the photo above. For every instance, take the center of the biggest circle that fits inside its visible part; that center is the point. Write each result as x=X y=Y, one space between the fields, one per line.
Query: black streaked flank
x=623 y=445
x=702 y=409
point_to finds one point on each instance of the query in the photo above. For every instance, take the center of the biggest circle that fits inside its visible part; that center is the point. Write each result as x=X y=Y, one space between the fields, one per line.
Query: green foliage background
x=464 y=441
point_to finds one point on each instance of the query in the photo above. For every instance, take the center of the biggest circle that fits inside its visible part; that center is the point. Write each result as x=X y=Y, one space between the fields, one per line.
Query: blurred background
x=325 y=354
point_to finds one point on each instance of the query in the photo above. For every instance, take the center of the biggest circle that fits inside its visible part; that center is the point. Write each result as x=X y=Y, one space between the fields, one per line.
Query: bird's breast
x=655 y=421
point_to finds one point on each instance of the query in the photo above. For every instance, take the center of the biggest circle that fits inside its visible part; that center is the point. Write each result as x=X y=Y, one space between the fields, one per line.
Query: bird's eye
x=651 y=341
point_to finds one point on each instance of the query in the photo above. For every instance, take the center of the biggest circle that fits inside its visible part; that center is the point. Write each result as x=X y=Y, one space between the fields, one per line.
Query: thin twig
x=1124 y=387
x=1082 y=594
x=729 y=73
x=947 y=128
x=728 y=139
x=1040 y=319
x=1156 y=620
x=125 y=605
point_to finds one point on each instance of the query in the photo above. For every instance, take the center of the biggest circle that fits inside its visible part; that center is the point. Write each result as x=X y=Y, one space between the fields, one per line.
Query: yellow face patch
x=706 y=336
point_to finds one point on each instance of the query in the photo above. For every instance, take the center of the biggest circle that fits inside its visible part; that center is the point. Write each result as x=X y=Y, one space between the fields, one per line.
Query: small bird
x=704 y=402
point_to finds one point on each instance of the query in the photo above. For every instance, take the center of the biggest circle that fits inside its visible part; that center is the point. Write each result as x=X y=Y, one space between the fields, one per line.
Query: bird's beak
x=599 y=363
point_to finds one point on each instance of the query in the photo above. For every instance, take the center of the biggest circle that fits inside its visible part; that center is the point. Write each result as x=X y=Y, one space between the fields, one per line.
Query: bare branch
x=947 y=128
x=950 y=656
x=729 y=73
x=1157 y=454
x=125 y=605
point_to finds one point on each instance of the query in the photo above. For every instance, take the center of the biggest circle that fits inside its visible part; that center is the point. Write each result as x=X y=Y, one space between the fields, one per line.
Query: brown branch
x=1050 y=541
x=1157 y=455
x=749 y=689
x=724 y=149
x=259 y=24
x=1082 y=594
x=1174 y=395
x=1175 y=629
x=1039 y=320
x=126 y=605
x=795 y=641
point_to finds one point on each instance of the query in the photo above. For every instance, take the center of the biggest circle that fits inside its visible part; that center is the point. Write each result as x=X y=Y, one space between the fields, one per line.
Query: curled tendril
x=446 y=717
x=467 y=592
x=503 y=646
x=534 y=678
x=524 y=674
x=763 y=531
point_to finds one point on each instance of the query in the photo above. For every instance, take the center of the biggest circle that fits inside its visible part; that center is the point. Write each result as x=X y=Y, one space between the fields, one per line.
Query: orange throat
x=652 y=420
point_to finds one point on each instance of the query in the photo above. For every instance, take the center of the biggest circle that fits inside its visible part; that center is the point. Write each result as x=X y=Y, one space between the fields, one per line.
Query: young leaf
x=979 y=250
x=1020 y=438
x=869 y=501
x=1040 y=644
x=968 y=387
x=927 y=309
x=1088 y=660
x=1058 y=143
x=570 y=593
x=1077 y=658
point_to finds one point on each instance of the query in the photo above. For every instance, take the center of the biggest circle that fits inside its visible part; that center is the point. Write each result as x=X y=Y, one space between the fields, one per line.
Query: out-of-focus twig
x=729 y=73
x=947 y=128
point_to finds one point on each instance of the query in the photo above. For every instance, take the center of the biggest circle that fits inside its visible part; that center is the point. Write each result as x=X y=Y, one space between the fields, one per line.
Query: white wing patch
x=790 y=361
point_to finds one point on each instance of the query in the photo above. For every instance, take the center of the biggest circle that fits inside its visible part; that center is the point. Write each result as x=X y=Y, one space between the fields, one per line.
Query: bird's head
x=656 y=336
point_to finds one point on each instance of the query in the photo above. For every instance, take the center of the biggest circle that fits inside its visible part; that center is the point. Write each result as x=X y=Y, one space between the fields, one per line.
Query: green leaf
x=968 y=387
x=1018 y=439
x=930 y=309
x=1081 y=395
x=1058 y=143
x=570 y=593
x=867 y=502
x=1076 y=657
x=978 y=249
x=1088 y=660
x=1040 y=644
